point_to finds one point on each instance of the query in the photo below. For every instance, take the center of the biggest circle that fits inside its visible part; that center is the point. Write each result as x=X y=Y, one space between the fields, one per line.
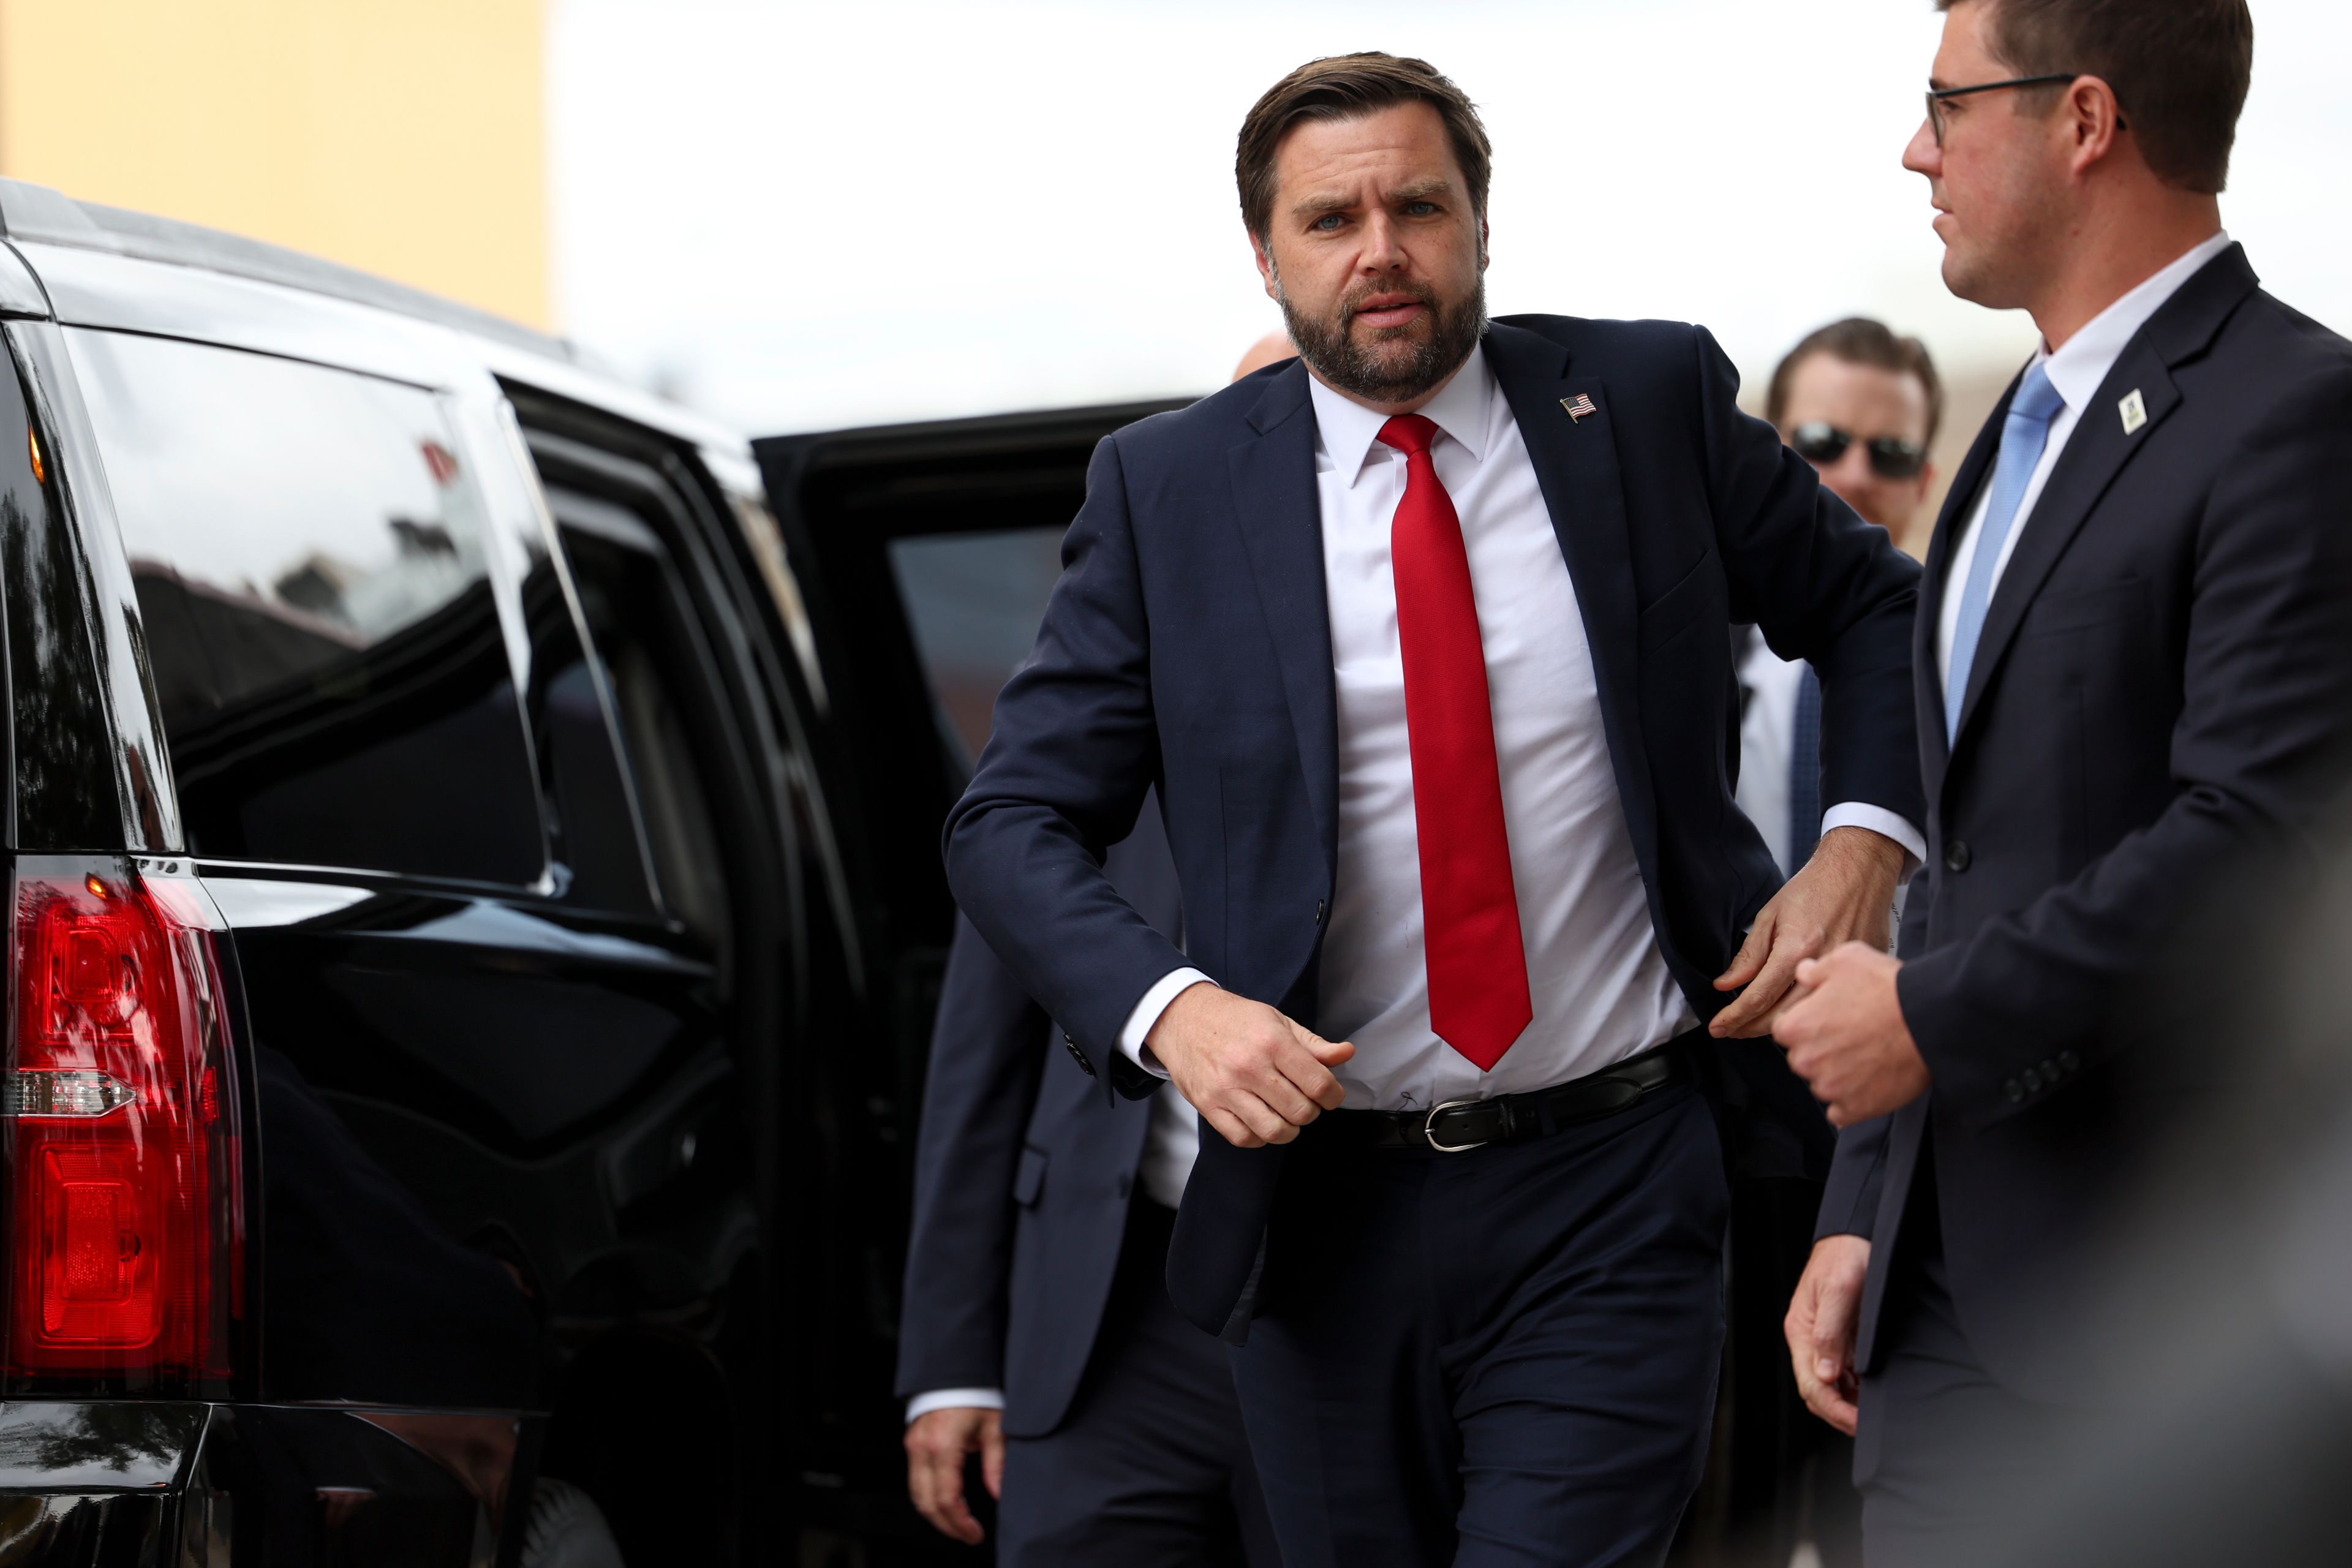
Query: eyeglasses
x=1820 y=443
x=1936 y=95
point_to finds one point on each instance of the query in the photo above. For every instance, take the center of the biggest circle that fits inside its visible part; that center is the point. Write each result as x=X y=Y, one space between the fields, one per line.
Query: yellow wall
x=405 y=137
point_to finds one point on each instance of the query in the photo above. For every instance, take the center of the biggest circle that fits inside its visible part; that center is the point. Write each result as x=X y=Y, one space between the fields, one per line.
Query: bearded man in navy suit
x=1424 y=640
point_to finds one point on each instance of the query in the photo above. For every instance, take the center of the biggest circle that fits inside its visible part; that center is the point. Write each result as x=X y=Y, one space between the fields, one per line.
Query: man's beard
x=1353 y=367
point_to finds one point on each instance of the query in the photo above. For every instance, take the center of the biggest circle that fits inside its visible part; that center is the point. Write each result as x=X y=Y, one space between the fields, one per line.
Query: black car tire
x=567 y=1530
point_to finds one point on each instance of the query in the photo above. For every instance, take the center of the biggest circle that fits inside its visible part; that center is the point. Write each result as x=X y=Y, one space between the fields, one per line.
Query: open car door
x=927 y=553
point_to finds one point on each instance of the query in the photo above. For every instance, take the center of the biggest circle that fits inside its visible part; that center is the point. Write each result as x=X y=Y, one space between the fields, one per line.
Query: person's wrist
x=1167 y=1041
x=1869 y=846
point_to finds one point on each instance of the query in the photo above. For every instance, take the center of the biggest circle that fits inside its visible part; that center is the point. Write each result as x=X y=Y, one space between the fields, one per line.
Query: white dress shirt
x=1768 y=727
x=1600 y=985
x=2075 y=372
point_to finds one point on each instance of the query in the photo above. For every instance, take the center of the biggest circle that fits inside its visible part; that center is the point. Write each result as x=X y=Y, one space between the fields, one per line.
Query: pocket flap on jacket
x=1029 y=1177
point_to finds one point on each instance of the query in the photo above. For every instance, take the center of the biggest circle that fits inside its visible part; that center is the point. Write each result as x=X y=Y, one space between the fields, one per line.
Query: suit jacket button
x=2032 y=1079
x=2014 y=1090
x=1955 y=855
x=2069 y=1062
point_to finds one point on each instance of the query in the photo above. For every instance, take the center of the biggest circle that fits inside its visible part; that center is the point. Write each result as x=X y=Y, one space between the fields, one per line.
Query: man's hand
x=1821 y=1324
x=1846 y=1038
x=938 y=1443
x=1255 y=1076
x=1844 y=893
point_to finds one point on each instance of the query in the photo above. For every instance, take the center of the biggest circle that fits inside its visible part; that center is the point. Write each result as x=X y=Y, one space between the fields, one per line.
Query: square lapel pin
x=1578 y=408
x=2134 y=409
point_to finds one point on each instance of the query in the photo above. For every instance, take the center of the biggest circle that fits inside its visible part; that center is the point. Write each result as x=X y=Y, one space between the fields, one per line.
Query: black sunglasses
x=1820 y=443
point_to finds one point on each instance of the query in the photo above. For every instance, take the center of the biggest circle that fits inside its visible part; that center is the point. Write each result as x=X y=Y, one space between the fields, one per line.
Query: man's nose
x=1381 y=252
x=1923 y=156
x=1849 y=477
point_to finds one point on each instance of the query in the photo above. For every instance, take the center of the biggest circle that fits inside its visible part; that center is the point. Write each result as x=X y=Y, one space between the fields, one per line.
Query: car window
x=974 y=602
x=308 y=554
x=642 y=629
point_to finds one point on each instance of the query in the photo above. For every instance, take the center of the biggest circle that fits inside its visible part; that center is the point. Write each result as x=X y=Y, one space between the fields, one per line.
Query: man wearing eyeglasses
x=2133 y=678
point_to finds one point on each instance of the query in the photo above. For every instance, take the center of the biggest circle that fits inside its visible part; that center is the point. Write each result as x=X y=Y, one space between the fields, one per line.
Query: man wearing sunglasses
x=1862 y=406
x=2133 y=678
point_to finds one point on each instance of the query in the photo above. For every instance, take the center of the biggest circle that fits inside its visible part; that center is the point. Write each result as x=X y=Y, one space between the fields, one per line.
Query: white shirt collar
x=2077 y=370
x=1346 y=430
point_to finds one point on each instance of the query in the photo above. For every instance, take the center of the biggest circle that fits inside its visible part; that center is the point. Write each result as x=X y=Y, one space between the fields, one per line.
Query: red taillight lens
x=128 y=1218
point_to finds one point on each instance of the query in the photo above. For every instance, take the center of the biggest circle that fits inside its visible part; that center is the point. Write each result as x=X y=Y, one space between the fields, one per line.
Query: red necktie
x=1470 y=912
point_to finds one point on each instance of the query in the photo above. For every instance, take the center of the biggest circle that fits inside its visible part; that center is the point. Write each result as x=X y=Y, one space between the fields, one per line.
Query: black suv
x=477 y=919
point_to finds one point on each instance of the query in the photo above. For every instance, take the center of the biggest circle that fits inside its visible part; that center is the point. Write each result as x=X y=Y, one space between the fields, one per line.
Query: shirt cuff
x=1881 y=821
x=923 y=1404
x=1147 y=1013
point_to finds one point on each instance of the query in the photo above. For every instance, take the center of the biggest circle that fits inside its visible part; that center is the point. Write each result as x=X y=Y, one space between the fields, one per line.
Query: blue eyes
x=1330 y=221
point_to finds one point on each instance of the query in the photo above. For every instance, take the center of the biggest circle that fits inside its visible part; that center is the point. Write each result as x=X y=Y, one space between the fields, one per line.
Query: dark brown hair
x=1858 y=340
x=2179 y=69
x=1342 y=88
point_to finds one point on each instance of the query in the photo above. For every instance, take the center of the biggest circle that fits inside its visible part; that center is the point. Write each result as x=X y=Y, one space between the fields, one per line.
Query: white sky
x=802 y=216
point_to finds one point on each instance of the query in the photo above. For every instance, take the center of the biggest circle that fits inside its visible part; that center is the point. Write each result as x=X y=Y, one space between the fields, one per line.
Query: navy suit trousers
x=1945 y=1452
x=1149 y=1469
x=1506 y=1356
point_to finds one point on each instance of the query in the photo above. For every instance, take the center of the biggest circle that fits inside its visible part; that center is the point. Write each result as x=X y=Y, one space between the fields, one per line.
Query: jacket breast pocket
x=1682 y=607
x=2109 y=606
x=1029 y=1177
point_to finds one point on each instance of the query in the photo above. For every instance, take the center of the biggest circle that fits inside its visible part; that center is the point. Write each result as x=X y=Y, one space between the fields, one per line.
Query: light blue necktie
x=2022 y=436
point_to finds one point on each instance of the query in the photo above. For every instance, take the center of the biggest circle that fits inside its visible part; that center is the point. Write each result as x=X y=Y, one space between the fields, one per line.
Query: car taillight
x=127 y=1209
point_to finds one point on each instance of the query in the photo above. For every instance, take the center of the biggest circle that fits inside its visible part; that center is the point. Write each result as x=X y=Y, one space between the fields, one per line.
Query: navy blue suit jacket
x=1188 y=645
x=1022 y=1177
x=2160 y=700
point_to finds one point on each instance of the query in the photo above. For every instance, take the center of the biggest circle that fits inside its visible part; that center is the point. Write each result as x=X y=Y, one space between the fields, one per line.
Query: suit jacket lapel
x=1575 y=461
x=1281 y=523
x=2095 y=453
x=2100 y=446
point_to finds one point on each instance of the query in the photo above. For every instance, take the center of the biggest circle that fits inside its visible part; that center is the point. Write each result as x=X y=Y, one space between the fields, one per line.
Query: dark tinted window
x=642 y=628
x=973 y=601
x=309 y=553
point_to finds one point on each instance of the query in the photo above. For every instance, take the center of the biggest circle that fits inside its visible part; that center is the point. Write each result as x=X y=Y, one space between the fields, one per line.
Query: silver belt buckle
x=1430 y=1121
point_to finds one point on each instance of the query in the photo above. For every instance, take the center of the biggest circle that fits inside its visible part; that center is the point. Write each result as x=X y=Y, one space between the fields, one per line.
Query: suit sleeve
x=988 y=1049
x=1075 y=748
x=2266 y=708
x=1821 y=585
x=1857 y=1173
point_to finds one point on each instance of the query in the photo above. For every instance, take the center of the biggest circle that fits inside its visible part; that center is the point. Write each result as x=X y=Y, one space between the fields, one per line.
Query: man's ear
x=2095 y=120
x=1484 y=234
x=1264 y=259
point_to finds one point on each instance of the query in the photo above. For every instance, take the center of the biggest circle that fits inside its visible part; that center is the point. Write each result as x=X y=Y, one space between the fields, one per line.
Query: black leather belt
x=1460 y=1125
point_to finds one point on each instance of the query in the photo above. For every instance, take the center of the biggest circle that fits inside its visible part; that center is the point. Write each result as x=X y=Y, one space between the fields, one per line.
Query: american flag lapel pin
x=1577 y=406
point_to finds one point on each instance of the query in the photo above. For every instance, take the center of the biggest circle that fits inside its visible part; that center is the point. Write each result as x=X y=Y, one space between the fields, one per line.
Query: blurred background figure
x=1863 y=407
x=1271 y=348
x=1037 y=1334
